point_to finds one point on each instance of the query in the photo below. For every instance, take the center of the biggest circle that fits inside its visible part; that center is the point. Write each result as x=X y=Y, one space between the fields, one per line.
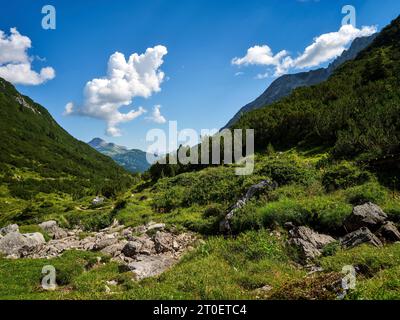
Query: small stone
x=112 y=283
x=155 y=226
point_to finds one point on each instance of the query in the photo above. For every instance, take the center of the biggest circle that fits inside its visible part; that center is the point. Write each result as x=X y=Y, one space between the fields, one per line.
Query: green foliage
x=344 y=175
x=285 y=169
x=211 y=185
x=331 y=249
x=369 y=192
x=214 y=210
x=356 y=111
x=38 y=156
x=320 y=212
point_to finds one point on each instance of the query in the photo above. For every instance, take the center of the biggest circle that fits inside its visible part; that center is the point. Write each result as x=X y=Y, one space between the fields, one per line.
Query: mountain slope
x=132 y=160
x=356 y=111
x=285 y=84
x=37 y=155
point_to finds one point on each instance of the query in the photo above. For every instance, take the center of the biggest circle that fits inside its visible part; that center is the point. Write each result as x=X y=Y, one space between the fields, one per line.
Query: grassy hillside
x=38 y=157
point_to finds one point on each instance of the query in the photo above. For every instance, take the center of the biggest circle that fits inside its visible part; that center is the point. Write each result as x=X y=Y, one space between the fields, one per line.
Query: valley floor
x=255 y=262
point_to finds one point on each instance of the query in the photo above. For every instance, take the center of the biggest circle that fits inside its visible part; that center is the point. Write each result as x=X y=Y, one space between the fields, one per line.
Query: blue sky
x=201 y=88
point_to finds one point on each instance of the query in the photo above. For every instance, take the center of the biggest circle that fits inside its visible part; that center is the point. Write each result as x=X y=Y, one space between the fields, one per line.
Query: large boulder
x=115 y=249
x=138 y=245
x=361 y=236
x=309 y=242
x=51 y=227
x=150 y=266
x=20 y=245
x=368 y=215
x=132 y=248
x=163 y=242
x=105 y=240
x=389 y=232
x=8 y=229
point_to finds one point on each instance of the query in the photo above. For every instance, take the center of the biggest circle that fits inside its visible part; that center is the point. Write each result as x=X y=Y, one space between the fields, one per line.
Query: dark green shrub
x=214 y=210
x=285 y=170
x=369 y=192
x=343 y=176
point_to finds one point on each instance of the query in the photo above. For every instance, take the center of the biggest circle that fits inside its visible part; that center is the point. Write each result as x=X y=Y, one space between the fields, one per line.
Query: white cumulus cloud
x=139 y=76
x=16 y=64
x=323 y=49
x=260 y=55
x=156 y=115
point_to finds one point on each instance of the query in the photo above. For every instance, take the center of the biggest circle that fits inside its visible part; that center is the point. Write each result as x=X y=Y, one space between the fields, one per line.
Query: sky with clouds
x=116 y=69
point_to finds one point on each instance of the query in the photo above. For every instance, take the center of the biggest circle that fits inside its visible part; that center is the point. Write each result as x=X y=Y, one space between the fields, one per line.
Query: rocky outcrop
x=8 y=229
x=145 y=266
x=389 y=232
x=147 y=250
x=308 y=242
x=52 y=229
x=368 y=215
x=17 y=245
x=251 y=192
x=361 y=236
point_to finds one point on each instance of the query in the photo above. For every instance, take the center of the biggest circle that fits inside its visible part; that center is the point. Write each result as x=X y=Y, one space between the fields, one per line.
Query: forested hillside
x=356 y=111
x=37 y=155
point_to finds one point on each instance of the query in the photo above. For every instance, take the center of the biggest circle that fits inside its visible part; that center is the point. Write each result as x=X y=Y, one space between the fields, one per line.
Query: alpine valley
x=324 y=194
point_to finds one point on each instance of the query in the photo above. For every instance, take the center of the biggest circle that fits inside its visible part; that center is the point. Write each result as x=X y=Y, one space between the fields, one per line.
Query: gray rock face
x=389 y=232
x=163 y=242
x=115 y=249
x=51 y=227
x=283 y=86
x=105 y=240
x=150 y=266
x=8 y=229
x=309 y=242
x=155 y=226
x=132 y=249
x=368 y=215
x=20 y=245
x=361 y=236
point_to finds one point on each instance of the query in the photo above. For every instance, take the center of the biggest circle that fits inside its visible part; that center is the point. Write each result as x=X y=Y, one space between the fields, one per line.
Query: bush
x=321 y=213
x=344 y=175
x=214 y=210
x=286 y=169
x=369 y=192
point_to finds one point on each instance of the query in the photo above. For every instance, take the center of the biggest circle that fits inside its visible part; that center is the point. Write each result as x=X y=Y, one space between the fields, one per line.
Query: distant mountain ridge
x=133 y=160
x=285 y=84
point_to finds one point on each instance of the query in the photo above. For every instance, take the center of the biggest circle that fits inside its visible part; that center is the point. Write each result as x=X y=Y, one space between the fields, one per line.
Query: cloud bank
x=323 y=49
x=139 y=76
x=16 y=64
